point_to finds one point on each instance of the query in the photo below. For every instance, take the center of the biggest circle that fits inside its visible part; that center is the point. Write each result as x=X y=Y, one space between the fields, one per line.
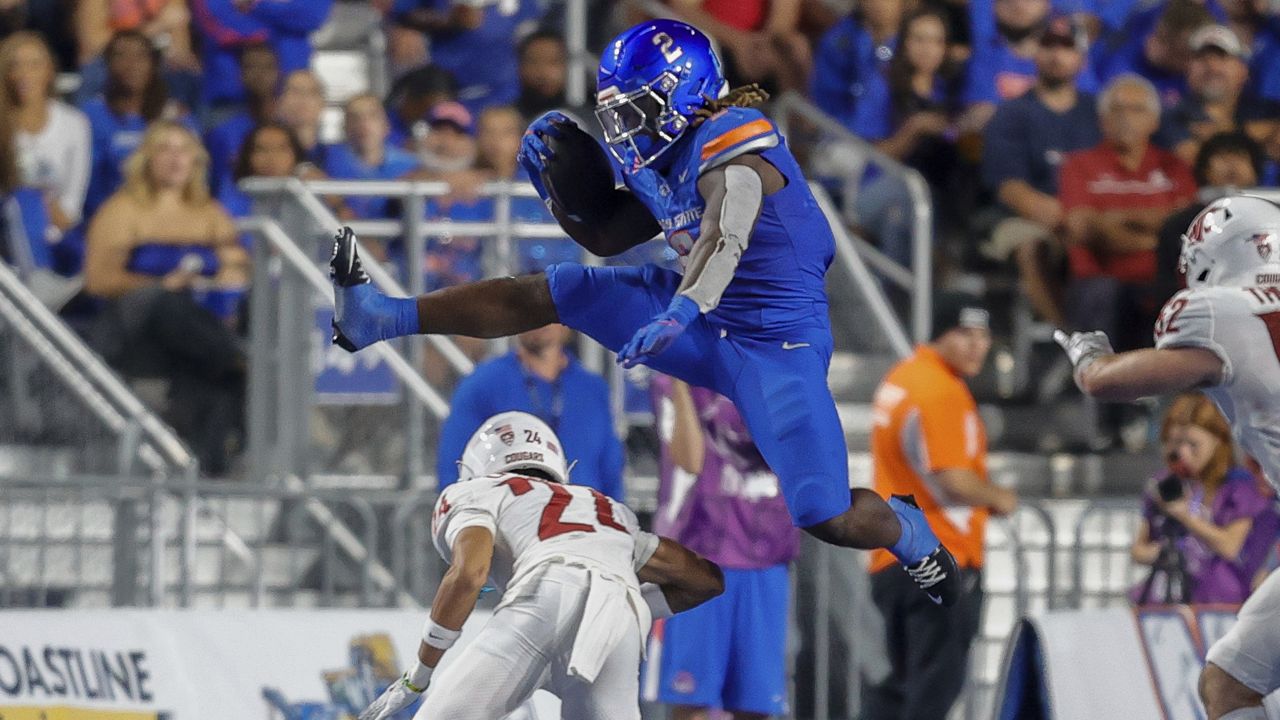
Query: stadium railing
x=145 y=446
x=282 y=315
x=829 y=149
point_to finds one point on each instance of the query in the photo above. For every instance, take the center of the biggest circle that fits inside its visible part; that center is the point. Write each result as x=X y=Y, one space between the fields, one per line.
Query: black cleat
x=936 y=573
x=345 y=271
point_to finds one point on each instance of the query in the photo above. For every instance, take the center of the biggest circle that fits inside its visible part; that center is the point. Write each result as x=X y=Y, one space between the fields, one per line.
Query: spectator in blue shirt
x=497 y=139
x=474 y=41
x=909 y=113
x=367 y=155
x=134 y=95
x=226 y=26
x=1023 y=147
x=1260 y=19
x=300 y=107
x=269 y=150
x=1217 y=99
x=1155 y=44
x=1003 y=66
x=260 y=77
x=539 y=377
x=853 y=54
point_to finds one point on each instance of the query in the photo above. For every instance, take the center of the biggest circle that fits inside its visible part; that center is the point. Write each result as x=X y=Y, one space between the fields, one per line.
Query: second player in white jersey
x=569 y=563
x=1221 y=335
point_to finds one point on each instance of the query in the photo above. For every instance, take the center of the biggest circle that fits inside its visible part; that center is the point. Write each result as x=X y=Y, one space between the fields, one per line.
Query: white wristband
x=657 y=602
x=439 y=636
x=416 y=679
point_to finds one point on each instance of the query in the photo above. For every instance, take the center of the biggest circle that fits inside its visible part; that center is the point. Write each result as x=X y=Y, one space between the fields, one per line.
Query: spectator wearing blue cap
x=1023 y=148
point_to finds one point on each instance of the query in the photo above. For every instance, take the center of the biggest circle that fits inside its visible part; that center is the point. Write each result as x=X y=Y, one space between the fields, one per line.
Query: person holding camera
x=1206 y=527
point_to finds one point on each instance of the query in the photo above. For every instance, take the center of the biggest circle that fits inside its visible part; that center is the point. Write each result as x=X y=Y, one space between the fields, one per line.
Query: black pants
x=928 y=647
x=154 y=333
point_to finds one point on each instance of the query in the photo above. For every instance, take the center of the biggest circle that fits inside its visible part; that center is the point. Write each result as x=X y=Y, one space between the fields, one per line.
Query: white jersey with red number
x=534 y=521
x=1242 y=327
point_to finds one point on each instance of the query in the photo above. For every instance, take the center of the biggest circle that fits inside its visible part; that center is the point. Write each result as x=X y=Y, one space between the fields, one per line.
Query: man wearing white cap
x=1218 y=99
x=569 y=563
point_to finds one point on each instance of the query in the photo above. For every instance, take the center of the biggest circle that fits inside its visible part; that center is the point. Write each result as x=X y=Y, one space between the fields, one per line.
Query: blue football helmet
x=652 y=79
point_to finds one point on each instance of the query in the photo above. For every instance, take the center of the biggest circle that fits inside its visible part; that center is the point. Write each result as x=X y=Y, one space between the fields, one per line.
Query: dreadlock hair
x=743 y=96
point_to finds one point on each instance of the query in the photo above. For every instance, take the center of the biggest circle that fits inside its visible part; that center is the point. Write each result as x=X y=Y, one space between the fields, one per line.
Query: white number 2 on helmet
x=664 y=42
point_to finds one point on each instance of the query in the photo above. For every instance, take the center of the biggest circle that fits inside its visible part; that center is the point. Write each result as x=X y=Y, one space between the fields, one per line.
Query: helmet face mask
x=641 y=121
x=653 y=79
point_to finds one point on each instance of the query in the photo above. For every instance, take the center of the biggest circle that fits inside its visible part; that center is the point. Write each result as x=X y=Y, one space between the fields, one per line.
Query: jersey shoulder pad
x=733 y=132
x=1195 y=318
x=476 y=499
x=1186 y=320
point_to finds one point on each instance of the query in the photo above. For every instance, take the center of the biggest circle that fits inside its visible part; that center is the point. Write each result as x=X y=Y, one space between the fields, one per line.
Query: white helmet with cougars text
x=1234 y=242
x=511 y=441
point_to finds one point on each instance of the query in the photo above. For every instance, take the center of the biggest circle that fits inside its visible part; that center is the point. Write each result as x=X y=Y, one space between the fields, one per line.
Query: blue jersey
x=114 y=138
x=779 y=283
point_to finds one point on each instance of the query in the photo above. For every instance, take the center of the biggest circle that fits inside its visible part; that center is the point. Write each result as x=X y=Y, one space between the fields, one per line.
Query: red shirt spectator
x=1098 y=179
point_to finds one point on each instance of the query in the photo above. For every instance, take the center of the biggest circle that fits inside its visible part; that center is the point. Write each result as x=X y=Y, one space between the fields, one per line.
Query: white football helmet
x=510 y=441
x=1233 y=242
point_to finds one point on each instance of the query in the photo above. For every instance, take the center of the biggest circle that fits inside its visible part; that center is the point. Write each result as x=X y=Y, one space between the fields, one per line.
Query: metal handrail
x=64 y=342
x=921 y=271
x=291 y=254
x=864 y=284
x=1079 y=547
x=323 y=216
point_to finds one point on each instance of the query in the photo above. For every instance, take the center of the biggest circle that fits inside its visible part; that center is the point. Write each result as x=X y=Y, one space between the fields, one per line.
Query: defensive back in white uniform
x=568 y=562
x=568 y=556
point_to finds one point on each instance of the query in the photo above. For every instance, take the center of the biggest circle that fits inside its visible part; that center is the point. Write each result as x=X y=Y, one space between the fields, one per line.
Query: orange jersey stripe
x=733 y=137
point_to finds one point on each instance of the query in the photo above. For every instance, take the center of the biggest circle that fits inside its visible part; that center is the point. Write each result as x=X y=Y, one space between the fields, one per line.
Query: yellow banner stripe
x=64 y=712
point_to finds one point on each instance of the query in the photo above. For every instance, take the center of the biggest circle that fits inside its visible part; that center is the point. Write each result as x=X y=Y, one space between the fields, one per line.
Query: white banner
x=206 y=665
x=1115 y=663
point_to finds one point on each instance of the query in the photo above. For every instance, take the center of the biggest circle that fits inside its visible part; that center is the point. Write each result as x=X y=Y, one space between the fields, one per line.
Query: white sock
x=1250 y=713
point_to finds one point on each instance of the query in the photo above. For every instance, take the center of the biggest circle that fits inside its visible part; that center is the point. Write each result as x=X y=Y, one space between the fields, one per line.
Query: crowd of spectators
x=1063 y=140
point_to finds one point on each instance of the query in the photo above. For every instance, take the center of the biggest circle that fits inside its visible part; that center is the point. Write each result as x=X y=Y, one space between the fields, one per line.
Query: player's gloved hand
x=1083 y=348
x=362 y=314
x=534 y=153
x=399 y=695
x=661 y=331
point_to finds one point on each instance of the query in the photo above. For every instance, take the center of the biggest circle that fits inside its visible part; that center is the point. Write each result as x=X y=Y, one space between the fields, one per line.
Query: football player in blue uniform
x=747 y=318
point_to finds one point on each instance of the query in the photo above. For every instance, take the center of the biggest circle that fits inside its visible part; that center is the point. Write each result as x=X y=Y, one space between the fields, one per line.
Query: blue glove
x=661 y=331
x=534 y=153
x=362 y=314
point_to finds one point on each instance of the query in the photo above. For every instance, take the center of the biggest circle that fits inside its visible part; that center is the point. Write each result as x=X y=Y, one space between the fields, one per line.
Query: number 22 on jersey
x=551 y=525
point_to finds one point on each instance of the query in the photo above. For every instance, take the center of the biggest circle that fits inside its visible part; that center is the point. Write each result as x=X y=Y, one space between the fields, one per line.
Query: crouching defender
x=569 y=563
x=748 y=317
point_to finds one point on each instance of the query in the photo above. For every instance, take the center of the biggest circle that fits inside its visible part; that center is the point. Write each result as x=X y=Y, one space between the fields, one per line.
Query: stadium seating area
x=999 y=106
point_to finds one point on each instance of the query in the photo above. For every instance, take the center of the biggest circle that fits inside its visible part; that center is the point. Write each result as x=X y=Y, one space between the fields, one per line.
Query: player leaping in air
x=747 y=318
x=1221 y=334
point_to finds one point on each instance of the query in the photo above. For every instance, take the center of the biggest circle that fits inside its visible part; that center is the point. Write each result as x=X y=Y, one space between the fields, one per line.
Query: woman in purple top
x=718 y=495
x=1206 y=509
